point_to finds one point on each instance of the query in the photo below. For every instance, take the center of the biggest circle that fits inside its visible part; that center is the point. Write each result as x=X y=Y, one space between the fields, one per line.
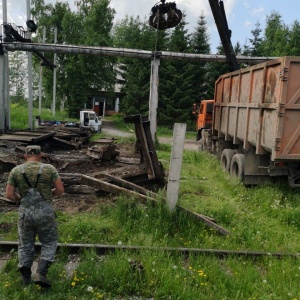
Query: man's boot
x=41 y=272
x=25 y=274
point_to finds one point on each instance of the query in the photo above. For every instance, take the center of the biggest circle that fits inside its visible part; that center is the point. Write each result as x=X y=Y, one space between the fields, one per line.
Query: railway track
x=8 y=246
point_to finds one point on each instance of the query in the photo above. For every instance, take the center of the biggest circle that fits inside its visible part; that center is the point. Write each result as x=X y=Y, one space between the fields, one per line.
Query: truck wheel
x=226 y=157
x=237 y=167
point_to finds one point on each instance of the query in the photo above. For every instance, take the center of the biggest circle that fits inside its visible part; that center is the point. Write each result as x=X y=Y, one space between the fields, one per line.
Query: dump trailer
x=255 y=130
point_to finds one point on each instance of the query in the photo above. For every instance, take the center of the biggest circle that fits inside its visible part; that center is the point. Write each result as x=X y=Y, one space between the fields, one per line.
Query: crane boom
x=218 y=11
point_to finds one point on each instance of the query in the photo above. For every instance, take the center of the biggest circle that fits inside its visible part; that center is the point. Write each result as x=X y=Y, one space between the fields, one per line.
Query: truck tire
x=226 y=157
x=237 y=167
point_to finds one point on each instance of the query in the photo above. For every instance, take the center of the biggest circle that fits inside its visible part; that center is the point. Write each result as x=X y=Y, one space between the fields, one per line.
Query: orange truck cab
x=204 y=114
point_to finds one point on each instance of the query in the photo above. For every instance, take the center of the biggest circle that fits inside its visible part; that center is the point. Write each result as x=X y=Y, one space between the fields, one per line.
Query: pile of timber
x=62 y=137
x=106 y=152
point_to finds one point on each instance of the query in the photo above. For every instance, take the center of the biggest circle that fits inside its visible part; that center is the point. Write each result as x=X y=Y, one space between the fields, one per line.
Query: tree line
x=181 y=83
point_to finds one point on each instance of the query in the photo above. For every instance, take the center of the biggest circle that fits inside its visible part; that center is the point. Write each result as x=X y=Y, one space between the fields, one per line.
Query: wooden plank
x=43 y=137
x=27 y=133
x=205 y=219
x=65 y=144
x=131 y=185
x=8 y=201
x=110 y=188
x=79 y=189
x=159 y=172
x=128 y=160
x=8 y=137
x=103 y=141
x=70 y=181
x=118 y=170
x=142 y=139
x=61 y=174
x=26 y=136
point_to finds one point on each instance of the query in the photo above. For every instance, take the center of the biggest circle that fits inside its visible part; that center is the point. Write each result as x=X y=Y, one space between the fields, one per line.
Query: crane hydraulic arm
x=218 y=11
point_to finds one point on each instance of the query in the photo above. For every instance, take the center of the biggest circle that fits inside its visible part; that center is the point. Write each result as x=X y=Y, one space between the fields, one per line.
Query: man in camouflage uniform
x=31 y=184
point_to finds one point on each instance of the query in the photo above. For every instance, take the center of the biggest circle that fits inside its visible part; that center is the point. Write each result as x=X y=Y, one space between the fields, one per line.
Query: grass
x=161 y=130
x=19 y=116
x=264 y=218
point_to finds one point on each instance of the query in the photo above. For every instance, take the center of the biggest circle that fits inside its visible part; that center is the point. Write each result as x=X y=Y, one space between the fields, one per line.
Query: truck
x=204 y=111
x=255 y=127
x=88 y=119
x=204 y=114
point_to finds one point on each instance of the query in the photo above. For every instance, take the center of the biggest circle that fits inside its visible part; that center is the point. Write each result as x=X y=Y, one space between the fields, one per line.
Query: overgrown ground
x=265 y=218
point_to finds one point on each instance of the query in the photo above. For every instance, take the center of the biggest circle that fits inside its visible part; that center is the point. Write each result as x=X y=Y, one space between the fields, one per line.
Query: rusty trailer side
x=257 y=109
x=260 y=107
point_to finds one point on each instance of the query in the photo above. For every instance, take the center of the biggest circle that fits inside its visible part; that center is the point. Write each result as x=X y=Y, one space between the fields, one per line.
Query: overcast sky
x=241 y=14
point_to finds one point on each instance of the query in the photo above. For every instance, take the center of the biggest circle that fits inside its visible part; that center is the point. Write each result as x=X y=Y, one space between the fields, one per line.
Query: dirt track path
x=108 y=128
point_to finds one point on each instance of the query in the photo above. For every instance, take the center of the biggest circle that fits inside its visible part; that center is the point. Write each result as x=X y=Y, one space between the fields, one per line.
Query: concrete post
x=29 y=56
x=54 y=75
x=5 y=73
x=175 y=165
x=153 y=97
x=41 y=77
x=2 y=94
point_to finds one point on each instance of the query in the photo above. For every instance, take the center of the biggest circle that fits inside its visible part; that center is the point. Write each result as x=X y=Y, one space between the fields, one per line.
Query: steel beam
x=110 y=51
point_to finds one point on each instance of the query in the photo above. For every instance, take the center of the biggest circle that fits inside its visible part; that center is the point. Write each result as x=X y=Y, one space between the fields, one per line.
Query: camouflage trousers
x=36 y=221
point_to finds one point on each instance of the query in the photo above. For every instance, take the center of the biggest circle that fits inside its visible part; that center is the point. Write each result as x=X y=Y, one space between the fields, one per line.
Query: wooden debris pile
x=99 y=167
x=106 y=152
x=58 y=138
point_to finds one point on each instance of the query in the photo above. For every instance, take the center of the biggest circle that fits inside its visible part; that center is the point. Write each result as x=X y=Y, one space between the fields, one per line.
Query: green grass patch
x=263 y=219
x=19 y=116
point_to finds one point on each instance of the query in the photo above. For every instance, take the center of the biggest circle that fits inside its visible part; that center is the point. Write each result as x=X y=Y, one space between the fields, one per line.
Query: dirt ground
x=71 y=164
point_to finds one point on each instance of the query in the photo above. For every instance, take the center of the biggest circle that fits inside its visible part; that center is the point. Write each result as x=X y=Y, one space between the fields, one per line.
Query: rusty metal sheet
x=260 y=106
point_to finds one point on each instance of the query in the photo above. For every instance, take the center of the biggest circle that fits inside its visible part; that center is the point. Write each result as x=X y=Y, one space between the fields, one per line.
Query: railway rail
x=8 y=246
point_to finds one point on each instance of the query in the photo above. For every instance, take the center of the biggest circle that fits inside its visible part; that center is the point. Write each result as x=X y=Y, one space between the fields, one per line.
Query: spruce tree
x=136 y=34
x=174 y=89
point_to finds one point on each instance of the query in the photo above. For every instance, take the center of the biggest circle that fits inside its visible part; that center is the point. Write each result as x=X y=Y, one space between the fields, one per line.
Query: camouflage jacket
x=44 y=186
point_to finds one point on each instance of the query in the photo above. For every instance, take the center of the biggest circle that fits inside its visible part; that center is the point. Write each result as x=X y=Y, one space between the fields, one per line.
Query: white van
x=89 y=119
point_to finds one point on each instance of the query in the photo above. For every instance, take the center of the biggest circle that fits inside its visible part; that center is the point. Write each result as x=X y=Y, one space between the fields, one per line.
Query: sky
x=242 y=15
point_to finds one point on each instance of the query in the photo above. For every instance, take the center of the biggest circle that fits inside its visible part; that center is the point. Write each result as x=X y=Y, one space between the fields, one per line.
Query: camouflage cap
x=33 y=150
